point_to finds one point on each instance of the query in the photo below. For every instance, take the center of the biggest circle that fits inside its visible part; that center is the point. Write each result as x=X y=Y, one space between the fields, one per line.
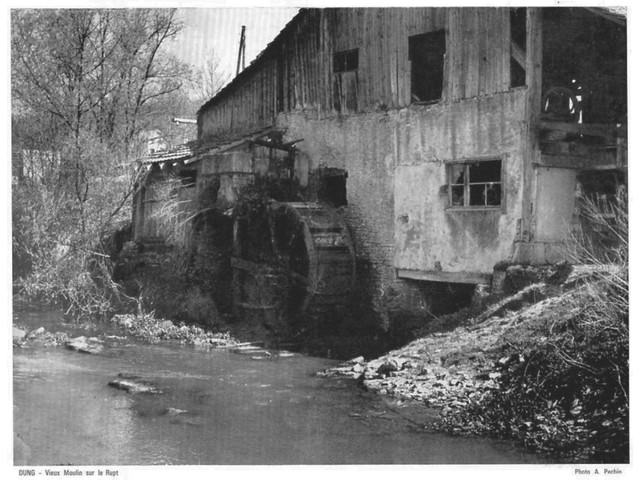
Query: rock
x=18 y=334
x=133 y=385
x=36 y=333
x=174 y=411
x=83 y=345
x=388 y=366
x=358 y=368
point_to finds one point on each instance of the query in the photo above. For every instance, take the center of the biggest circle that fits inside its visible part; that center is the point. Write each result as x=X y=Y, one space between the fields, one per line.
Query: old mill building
x=426 y=145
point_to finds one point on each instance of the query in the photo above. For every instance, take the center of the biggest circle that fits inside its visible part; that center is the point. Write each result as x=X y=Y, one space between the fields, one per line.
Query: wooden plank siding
x=295 y=70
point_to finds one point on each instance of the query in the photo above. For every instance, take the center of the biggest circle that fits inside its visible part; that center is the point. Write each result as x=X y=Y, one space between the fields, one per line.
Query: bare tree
x=209 y=78
x=84 y=84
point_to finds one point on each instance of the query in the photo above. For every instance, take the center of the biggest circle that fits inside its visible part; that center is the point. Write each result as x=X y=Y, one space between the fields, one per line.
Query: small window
x=475 y=184
x=333 y=186
x=346 y=61
x=426 y=53
x=187 y=178
x=345 y=81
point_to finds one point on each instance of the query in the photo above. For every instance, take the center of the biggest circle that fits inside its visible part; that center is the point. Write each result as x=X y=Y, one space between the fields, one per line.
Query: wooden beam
x=598 y=161
x=575 y=149
x=533 y=104
x=449 y=277
x=607 y=130
x=278 y=146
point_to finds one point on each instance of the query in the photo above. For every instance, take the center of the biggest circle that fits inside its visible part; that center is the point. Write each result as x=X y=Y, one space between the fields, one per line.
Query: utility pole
x=241 y=50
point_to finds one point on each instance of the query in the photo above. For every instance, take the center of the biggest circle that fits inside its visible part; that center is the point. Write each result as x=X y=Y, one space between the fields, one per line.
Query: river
x=216 y=407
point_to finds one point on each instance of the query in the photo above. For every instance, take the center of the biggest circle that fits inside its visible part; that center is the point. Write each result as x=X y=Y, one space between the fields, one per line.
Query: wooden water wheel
x=293 y=259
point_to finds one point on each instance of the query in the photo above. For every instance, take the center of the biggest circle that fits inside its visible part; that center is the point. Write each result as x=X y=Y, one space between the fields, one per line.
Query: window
x=346 y=61
x=333 y=186
x=187 y=178
x=345 y=81
x=475 y=184
x=426 y=53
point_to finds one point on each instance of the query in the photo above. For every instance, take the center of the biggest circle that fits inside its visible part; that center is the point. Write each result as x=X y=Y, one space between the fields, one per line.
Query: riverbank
x=546 y=366
x=145 y=327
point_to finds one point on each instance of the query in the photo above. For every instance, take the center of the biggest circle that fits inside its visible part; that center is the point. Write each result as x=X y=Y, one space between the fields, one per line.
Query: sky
x=218 y=29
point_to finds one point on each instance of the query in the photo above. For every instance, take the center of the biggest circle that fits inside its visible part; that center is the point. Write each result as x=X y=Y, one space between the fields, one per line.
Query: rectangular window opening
x=475 y=184
x=346 y=61
x=345 y=81
x=426 y=53
x=187 y=178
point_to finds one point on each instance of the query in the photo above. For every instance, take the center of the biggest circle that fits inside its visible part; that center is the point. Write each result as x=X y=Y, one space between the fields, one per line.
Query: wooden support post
x=530 y=152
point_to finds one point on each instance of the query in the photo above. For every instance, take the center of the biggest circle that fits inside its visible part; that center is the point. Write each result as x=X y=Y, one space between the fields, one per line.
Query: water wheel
x=292 y=259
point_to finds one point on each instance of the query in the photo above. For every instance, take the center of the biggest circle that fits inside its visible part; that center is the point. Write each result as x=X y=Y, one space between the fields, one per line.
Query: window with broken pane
x=475 y=184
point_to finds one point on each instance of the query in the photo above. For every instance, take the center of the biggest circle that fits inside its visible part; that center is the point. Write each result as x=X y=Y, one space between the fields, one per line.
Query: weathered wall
x=296 y=71
x=397 y=210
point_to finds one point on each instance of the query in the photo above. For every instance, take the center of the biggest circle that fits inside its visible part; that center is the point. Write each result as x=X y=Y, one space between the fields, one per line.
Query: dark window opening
x=426 y=53
x=518 y=74
x=187 y=178
x=475 y=184
x=519 y=27
x=346 y=61
x=518 y=21
x=333 y=187
x=345 y=81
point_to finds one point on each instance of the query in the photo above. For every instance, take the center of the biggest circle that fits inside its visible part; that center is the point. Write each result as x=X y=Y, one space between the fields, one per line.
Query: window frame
x=466 y=196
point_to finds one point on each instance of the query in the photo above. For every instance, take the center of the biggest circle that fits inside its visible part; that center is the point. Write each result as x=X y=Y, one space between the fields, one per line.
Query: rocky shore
x=467 y=372
x=145 y=327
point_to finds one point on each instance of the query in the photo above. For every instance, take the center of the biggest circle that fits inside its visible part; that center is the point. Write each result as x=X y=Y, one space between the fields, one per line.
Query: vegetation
x=85 y=85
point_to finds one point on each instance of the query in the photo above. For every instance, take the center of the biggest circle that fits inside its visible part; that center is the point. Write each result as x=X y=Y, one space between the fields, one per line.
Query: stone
x=133 y=385
x=358 y=368
x=174 y=411
x=356 y=360
x=83 y=345
x=36 y=333
x=388 y=366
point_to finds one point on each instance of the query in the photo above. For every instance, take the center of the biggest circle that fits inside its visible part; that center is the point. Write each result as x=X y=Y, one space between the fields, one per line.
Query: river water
x=216 y=407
